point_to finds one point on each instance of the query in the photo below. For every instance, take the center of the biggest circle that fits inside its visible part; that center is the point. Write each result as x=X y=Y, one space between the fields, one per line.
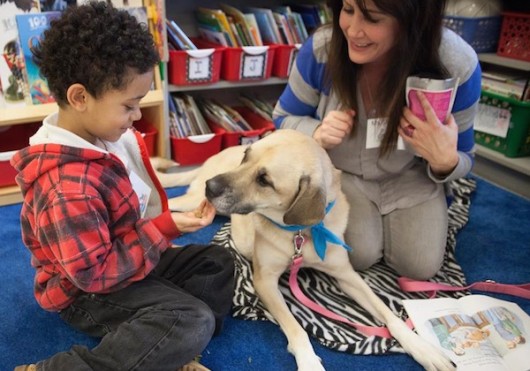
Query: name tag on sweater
x=375 y=131
x=142 y=190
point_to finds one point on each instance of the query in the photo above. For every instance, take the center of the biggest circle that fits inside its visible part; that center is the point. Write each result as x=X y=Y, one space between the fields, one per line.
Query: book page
x=477 y=332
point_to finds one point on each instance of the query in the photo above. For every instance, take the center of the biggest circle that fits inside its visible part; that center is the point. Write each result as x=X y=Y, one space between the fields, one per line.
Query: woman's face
x=369 y=38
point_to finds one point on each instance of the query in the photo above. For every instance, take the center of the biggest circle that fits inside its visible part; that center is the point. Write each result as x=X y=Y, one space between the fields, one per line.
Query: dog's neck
x=320 y=234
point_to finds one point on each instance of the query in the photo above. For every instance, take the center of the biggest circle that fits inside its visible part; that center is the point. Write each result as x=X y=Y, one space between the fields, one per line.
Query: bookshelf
x=512 y=174
x=182 y=12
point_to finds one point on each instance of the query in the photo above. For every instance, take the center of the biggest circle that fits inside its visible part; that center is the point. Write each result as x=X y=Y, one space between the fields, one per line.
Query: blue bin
x=481 y=33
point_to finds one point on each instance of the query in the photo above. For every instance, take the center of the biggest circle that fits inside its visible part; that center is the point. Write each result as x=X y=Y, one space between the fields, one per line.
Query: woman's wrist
x=446 y=167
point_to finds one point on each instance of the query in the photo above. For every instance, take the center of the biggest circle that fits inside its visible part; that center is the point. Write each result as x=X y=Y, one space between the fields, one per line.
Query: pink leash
x=410 y=285
x=302 y=298
x=406 y=284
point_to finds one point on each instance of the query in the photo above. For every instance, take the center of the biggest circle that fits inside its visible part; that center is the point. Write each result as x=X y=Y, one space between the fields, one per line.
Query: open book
x=477 y=332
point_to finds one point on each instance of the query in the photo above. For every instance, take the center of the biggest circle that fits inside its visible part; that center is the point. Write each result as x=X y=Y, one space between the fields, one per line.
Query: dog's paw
x=429 y=356
x=309 y=363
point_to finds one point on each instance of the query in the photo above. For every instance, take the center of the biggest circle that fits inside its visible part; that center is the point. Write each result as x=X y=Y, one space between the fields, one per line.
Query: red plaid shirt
x=80 y=219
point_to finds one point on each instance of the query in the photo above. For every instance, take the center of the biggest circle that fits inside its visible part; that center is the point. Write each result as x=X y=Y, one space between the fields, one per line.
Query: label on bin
x=253 y=62
x=493 y=120
x=200 y=65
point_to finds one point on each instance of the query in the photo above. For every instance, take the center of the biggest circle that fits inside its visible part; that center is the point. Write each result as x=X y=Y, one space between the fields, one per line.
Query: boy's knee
x=203 y=321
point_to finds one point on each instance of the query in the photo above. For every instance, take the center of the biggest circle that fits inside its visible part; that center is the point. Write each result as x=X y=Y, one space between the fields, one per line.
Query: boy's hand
x=191 y=221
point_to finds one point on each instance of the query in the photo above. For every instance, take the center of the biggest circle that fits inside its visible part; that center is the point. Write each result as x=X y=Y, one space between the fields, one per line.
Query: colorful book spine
x=30 y=29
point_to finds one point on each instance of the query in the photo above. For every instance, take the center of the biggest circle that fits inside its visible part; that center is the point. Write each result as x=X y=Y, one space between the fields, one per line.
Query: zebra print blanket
x=324 y=290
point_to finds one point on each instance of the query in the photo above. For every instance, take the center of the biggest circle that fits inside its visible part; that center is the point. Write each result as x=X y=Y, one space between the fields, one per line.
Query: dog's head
x=285 y=176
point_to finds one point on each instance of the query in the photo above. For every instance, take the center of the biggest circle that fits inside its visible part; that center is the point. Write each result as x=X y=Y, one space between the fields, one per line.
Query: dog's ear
x=309 y=205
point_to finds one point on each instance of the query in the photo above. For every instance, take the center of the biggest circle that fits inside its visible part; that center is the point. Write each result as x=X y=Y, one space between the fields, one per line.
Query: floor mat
x=324 y=290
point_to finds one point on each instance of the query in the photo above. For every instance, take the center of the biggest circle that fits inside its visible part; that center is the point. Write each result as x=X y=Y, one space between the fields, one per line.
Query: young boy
x=95 y=217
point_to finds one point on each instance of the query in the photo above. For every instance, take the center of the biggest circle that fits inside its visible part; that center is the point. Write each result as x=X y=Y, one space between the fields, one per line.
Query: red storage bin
x=149 y=134
x=15 y=137
x=195 y=149
x=260 y=127
x=514 y=41
x=284 y=57
x=247 y=63
x=195 y=67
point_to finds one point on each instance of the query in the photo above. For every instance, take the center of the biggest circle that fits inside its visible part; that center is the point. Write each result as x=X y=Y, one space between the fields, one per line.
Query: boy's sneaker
x=31 y=367
x=192 y=366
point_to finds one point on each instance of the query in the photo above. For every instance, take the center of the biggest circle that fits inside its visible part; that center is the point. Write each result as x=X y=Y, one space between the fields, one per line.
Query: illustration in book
x=30 y=30
x=477 y=332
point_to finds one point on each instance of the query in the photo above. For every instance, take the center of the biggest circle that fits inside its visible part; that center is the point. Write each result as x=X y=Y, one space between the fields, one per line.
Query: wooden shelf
x=10 y=195
x=36 y=113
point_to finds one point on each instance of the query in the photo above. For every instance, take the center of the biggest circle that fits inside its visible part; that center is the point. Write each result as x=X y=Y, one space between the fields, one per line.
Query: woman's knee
x=418 y=269
x=363 y=258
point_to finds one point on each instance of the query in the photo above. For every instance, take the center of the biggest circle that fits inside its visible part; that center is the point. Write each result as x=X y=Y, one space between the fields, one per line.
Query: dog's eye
x=262 y=180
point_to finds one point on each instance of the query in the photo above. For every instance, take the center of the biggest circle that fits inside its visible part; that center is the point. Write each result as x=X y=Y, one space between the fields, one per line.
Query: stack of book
x=254 y=26
x=185 y=118
x=507 y=83
x=224 y=116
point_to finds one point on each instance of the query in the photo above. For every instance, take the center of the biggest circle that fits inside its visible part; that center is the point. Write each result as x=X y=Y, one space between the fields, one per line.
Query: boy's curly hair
x=95 y=45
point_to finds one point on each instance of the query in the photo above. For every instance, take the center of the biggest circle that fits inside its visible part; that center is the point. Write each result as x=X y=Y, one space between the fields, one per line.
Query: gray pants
x=159 y=323
x=412 y=241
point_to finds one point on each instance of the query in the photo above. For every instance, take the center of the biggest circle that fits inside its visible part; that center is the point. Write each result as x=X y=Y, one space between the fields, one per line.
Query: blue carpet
x=495 y=244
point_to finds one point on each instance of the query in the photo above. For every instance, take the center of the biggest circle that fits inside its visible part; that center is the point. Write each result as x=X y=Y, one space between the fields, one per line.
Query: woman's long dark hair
x=416 y=53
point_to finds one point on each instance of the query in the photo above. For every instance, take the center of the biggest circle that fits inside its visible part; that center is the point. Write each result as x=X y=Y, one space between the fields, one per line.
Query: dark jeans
x=159 y=323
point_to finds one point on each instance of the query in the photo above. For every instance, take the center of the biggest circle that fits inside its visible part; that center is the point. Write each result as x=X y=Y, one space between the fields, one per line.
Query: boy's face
x=109 y=116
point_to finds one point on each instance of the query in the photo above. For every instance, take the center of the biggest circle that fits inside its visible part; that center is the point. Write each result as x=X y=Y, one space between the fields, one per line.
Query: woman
x=348 y=78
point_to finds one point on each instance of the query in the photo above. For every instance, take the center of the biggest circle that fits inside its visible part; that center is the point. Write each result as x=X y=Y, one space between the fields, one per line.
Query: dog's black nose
x=215 y=187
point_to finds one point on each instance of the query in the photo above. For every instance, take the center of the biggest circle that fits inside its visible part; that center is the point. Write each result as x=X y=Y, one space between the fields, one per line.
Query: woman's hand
x=191 y=221
x=434 y=141
x=334 y=128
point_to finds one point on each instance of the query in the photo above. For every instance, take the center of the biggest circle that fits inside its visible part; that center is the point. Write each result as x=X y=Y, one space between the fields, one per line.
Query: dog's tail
x=170 y=174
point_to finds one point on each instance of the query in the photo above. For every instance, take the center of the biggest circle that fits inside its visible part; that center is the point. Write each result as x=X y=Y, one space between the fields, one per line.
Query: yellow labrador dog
x=287 y=179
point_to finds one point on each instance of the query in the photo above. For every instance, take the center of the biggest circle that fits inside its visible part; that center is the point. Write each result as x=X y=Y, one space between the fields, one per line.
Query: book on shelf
x=267 y=25
x=186 y=119
x=202 y=12
x=507 y=83
x=30 y=29
x=286 y=32
x=258 y=106
x=178 y=37
x=476 y=332
x=12 y=70
x=247 y=32
x=210 y=29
